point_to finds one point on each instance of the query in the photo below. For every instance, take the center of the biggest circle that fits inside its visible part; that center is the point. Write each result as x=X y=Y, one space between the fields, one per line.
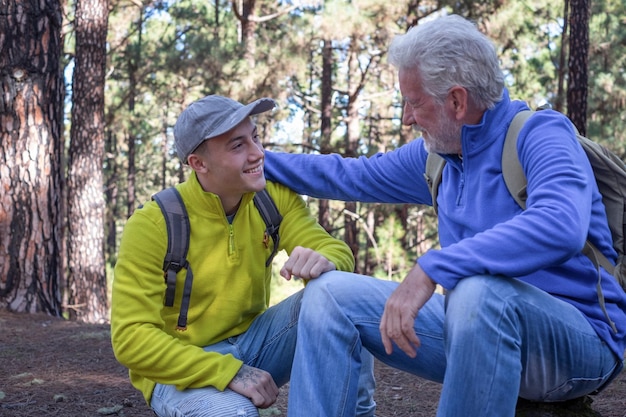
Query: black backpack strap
x=178 y=232
x=272 y=218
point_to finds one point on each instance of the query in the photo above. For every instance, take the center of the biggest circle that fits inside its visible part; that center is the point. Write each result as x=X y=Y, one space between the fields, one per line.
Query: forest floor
x=53 y=367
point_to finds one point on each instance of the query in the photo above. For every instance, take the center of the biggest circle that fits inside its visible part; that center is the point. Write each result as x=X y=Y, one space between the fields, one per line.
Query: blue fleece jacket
x=482 y=230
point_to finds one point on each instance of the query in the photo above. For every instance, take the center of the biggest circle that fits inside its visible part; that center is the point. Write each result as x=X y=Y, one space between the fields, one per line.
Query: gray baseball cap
x=212 y=116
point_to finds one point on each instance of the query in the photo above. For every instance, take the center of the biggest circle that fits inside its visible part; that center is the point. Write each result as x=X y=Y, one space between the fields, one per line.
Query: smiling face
x=231 y=164
x=437 y=122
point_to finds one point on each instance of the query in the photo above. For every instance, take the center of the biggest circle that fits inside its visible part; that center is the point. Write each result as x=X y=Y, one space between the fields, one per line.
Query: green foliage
x=607 y=76
x=164 y=55
x=528 y=37
x=390 y=255
x=280 y=287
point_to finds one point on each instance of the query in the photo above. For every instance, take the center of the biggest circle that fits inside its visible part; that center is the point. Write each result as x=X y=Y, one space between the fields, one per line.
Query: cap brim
x=256 y=107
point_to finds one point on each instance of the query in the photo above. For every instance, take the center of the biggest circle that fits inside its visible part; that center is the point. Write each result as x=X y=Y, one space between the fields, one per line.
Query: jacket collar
x=492 y=127
x=203 y=201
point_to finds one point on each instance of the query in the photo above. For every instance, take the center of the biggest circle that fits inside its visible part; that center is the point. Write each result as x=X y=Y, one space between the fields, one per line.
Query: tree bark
x=87 y=286
x=326 y=94
x=248 y=31
x=31 y=180
x=353 y=126
x=134 y=53
x=111 y=192
x=561 y=70
x=578 y=64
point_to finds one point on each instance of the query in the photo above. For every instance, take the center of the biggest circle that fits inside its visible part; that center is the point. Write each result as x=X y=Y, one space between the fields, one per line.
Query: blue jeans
x=490 y=340
x=268 y=344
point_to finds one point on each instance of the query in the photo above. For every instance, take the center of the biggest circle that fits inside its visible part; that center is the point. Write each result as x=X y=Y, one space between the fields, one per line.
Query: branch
x=261 y=19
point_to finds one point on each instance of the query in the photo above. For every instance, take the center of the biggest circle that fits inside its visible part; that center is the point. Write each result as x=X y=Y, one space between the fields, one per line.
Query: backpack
x=610 y=174
x=178 y=233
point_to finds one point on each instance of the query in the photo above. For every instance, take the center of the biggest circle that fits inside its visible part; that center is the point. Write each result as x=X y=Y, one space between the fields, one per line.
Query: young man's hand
x=305 y=263
x=255 y=384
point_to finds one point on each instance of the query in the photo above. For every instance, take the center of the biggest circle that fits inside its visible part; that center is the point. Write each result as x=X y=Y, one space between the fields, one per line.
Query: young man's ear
x=197 y=162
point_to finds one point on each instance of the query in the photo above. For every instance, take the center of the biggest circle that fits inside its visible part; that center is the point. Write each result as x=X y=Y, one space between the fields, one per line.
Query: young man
x=521 y=317
x=235 y=351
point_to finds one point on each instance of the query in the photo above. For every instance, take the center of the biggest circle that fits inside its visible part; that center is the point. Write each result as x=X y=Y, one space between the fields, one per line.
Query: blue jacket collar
x=492 y=127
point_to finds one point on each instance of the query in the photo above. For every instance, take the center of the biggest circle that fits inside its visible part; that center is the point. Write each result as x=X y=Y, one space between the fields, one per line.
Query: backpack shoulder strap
x=511 y=168
x=178 y=232
x=434 y=170
x=272 y=218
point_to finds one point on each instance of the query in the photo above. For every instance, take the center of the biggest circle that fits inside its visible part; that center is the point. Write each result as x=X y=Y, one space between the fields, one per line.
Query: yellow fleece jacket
x=231 y=285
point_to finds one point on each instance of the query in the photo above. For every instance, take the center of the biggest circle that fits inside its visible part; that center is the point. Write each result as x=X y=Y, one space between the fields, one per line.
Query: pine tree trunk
x=134 y=53
x=248 y=32
x=561 y=69
x=353 y=134
x=31 y=187
x=111 y=195
x=87 y=286
x=326 y=106
x=578 y=64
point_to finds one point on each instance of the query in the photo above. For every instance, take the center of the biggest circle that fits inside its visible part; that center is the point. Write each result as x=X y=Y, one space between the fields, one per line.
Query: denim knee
x=478 y=299
x=330 y=284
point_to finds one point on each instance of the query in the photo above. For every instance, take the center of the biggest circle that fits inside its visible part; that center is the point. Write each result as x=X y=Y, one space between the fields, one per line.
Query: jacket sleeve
x=140 y=339
x=392 y=177
x=300 y=228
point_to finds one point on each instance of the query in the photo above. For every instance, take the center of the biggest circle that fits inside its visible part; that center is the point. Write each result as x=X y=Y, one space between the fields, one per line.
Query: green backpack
x=609 y=171
x=178 y=233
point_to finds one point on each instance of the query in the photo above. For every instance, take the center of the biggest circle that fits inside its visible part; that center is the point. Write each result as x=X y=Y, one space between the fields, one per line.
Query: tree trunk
x=134 y=53
x=248 y=31
x=578 y=64
x=561 y=70
x=31 y=149
x=111 y=194
x=326 y=94
x=353 y=130
x=87 y=286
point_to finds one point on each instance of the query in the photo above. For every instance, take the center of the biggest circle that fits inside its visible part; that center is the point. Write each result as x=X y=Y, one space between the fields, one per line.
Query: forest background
x=90 y=91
